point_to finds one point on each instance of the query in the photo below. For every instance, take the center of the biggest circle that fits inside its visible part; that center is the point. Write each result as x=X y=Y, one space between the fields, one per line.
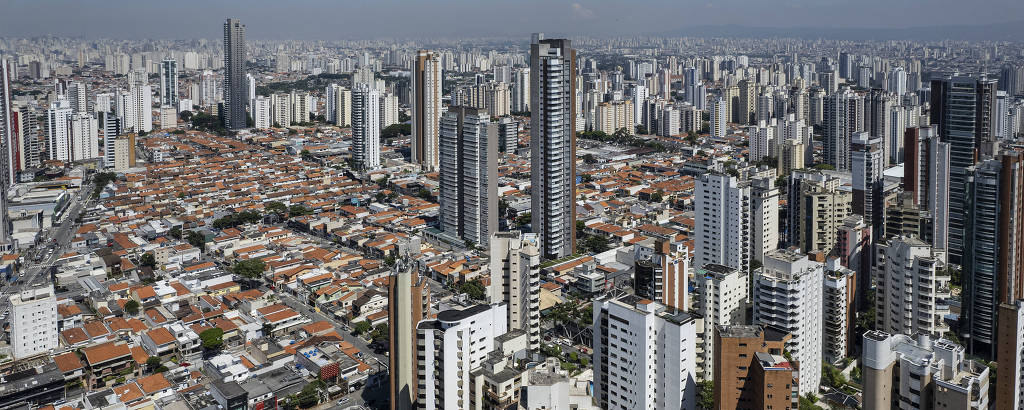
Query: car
x=343 y=401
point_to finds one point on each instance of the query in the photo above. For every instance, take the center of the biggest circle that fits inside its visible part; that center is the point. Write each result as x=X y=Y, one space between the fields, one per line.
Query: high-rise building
x=841 y=121
x=111 y=130
x=521 y=90
x=1010 y=356
x=452 y=346
x=613 y=116
x=515 y=280
x=33 y=323
x=926 y=178
x=9 y=160
x=867 y=165
x=388 y=110
x=762 y=140
x=339 y=105
x=262 y=117
x=553 y=145
x=963 y=108
x=58 y=130
x=508 y=135
x=764 y=215
x=408 y=304
x=366 y=126
x=234 y=75
x=903 y=373
x=426 y=109
x=468 y=178
x=661 y=271
x=169 y=82
x=791 y=156
x=747 y=102
x=912 y=288
x=788 y=294
x=720 y=294
x=993 y=261
x=78 y=96
x=750 y=371
x=644 y=355
x=718 y=109
x=818 y=204
x=837 y=312
x=124 y=152
x=722 y=210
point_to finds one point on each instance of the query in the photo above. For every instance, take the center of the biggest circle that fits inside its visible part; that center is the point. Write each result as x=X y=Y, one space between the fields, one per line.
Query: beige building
x=611 y=116
x=791 y=156
x=124 y=152
x=901 y=372
x=168 y=117
x=818 y=204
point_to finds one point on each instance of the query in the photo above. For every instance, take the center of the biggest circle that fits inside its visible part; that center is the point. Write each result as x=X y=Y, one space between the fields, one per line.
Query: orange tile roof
x=68 y=362
x=104 y=352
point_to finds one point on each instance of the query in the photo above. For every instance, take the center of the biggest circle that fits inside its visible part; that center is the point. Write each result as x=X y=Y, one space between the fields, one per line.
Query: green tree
x=827 y=167
x=361 y=327
x=379 y=333
x=250 y=268
x=147 y=259
x=641 y=130
x=131 y=307
x=706 y=400
x=276 y=207
x=807 y=403
x=306 y=155
x=175 y=232
x=299 y=210
x=152 y=363
x=589 y=159
x=196 y=239
x=395 y=131
x=474 y=289
x=657 y=196
x=523 y=219
x=213 y=338
x=595 y=243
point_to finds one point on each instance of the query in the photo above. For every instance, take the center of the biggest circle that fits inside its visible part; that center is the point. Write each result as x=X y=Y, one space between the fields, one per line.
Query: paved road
x=36 y=274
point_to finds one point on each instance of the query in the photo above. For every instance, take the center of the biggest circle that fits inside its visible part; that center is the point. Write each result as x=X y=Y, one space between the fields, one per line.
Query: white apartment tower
x=366 y=126
x=718 y=119
x=515 y=280
x=912 y=289
x=33 y=323
x=553 y=144
x=58 y=130
x=788 y=294
x=764 y=216
x=720 y=300
x=644 y=355
x=451 y=346
x=723 y=222
x=426 y=109
x=261 y=113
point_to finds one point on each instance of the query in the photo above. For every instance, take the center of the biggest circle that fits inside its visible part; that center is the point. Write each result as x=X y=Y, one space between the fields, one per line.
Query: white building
x=84 y=143
x=59 y=129
x=281 y=109
x=261 y=114
x=762 y=140
x=550 y=387
x=426 y=109
x=450 y=347
x=388 y=110
x=468 y=177
x=764 y=215
x=788 y=294
x=338 y=103
x=723 y=222
x=33 y=322
x=912 y=289
x=168 y=116
x=720 y=300
x=644 y=355
x=366 y=126
x=718 y=119
x=515 y=280
x=837 y=311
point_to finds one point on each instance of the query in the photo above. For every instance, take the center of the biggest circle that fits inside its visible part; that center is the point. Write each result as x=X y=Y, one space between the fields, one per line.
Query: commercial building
x=168 y=83
x=366 y=126
x=644 y=355
x=553 y=145
x=788 y=294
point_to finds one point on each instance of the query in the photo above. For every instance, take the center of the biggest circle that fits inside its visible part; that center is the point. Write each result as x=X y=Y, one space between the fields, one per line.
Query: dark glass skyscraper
x=234 y=75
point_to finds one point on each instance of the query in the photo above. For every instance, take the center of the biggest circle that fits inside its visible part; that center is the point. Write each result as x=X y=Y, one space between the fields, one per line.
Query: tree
x=175 y=232
x=298 y=210
x=276 y=207
x=706 y=400
x=595 y=244
x=361 y=327
x=310 y=394
x=641 y=130
x=827 y=167
x=589 y=159
x=196 y=239
x=131 y=307
x=147 y=259
x=523 y=219
x=213 y=338
x=250 y=268
x=395 y=131
x=657 y=196
x=152 y=363
x=474 y=289
x=832 y=376
x=379 y=333
x=306 y=155
x=186 y=115
x=807 y=403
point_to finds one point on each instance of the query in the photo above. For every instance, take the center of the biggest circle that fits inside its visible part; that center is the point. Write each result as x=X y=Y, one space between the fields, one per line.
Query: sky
x=370 y=19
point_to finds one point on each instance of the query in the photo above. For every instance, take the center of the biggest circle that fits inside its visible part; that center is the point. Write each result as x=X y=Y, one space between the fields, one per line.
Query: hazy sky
x=352 y=19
